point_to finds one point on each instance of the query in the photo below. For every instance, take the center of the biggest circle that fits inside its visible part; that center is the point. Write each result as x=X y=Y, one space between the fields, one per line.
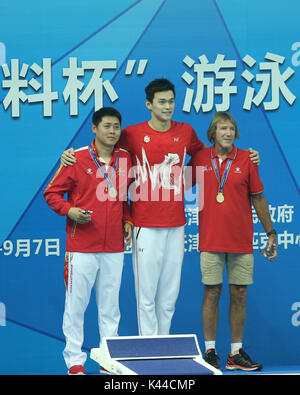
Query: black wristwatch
x=272 y=232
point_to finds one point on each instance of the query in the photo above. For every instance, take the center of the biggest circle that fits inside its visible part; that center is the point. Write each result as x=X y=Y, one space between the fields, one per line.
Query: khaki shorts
x=239 y=268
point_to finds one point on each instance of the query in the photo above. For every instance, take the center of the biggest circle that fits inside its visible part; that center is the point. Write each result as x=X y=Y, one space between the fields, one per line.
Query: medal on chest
x=112 y=191
x=220 y=196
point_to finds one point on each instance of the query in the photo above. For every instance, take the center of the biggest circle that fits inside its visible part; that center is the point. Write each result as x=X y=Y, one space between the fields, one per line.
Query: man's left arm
x=261 y=207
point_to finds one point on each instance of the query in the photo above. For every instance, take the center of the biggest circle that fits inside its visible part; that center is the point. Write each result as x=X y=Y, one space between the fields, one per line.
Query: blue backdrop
x=59 y=61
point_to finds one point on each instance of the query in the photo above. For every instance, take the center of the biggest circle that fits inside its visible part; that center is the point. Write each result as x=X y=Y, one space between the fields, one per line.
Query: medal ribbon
x=91 y=149
x=225 y=175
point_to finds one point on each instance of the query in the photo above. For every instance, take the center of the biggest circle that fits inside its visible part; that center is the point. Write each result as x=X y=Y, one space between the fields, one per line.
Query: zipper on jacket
x=106 y=220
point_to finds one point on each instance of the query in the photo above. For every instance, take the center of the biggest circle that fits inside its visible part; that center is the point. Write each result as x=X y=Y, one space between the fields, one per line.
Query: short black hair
x=158 y=85
x=105 y=112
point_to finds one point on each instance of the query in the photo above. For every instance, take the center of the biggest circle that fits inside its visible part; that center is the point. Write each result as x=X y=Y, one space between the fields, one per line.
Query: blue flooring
x=26 y=352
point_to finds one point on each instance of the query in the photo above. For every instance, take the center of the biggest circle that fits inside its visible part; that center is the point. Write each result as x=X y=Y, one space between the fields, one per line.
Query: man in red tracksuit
x=97 y=215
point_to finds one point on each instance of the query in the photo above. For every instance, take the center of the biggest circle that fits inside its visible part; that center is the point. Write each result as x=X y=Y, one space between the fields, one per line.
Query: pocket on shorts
x=241 y=271
x=212 y=267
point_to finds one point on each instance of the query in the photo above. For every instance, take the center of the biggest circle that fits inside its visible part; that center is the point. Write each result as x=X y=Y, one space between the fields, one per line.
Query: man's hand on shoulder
x=68 y=157
x=254 y=156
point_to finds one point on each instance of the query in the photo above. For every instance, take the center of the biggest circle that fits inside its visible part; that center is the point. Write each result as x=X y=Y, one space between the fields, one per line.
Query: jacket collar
x=232 y=155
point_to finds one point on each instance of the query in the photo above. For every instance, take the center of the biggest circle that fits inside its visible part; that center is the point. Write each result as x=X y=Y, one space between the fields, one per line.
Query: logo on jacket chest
x=147 y=139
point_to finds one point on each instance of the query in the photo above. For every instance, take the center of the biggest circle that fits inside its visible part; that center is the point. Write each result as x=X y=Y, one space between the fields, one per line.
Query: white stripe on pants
x=157 y=262
x=104 y=272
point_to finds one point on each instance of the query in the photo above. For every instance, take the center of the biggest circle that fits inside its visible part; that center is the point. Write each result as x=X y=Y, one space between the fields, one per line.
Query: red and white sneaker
x=104 y=371
x=76 y=370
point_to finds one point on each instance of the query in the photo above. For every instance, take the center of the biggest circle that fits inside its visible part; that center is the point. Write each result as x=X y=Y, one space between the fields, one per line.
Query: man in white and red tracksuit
x=98 y=217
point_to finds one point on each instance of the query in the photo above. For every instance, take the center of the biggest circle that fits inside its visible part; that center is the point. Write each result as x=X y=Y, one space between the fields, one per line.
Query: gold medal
x=220 y=197
x=113 y=193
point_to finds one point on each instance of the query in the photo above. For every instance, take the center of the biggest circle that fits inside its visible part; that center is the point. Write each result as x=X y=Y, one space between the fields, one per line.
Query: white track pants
x=157 y=261
x=85 y=271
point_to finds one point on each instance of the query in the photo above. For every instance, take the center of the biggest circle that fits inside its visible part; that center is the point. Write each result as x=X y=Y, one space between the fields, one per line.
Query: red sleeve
x=130 y=174
x=191 y=170
x=195 y=145
x=255 y=184
x=123 y=141
x=126 y=208
x=61 y=183
x=127 y=213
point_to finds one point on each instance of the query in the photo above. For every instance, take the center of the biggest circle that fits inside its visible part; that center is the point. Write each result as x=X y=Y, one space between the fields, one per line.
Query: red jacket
x=87 y=189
